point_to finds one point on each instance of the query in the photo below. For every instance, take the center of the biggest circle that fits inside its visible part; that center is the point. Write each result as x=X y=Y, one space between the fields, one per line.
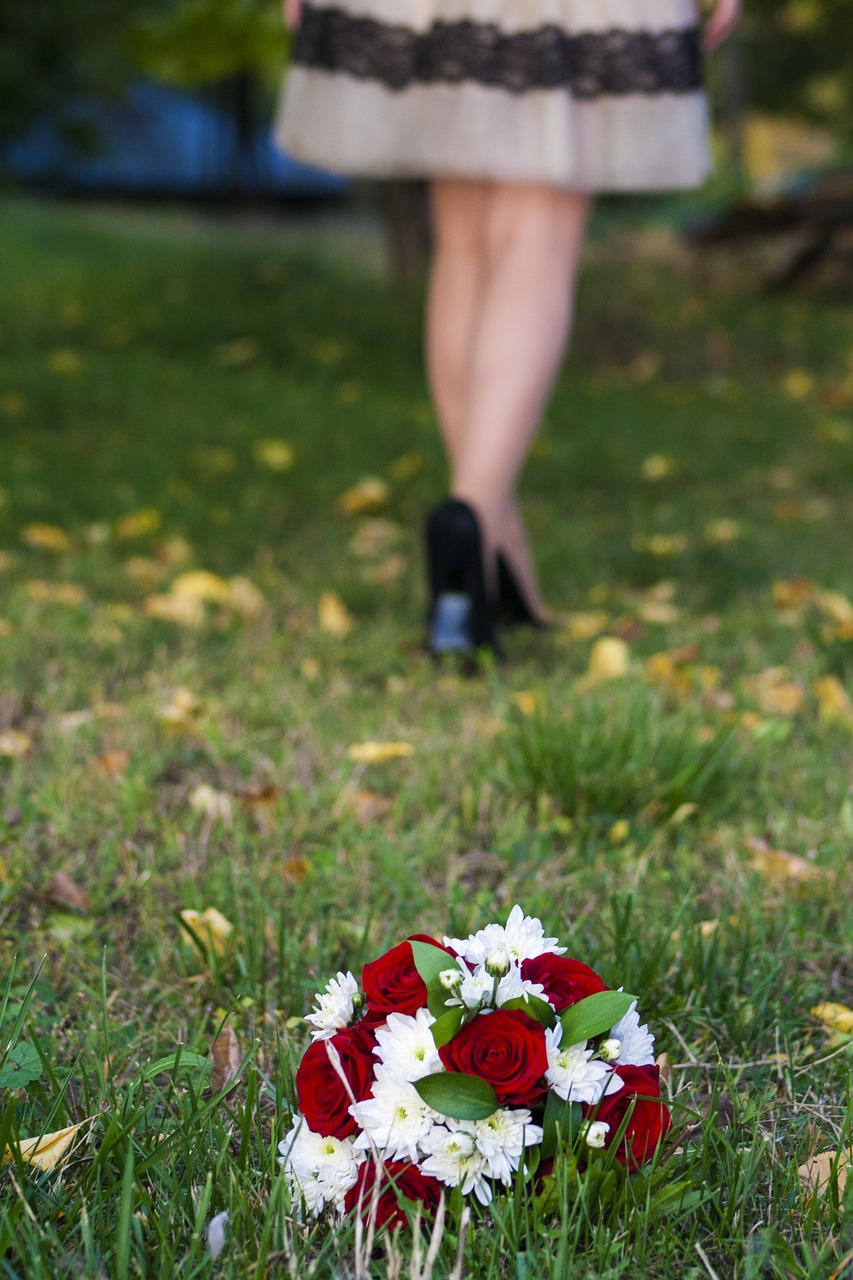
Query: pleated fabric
x=587 y=95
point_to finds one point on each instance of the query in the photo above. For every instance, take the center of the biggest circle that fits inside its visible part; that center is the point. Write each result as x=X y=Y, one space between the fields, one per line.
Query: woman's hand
x=721 y=23
x=292 y=10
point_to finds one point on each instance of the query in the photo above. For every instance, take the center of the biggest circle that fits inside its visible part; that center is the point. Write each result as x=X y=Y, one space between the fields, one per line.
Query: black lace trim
x=588 y=65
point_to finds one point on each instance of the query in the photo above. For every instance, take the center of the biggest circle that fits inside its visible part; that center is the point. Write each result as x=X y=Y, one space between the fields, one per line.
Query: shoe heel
x=461 y=616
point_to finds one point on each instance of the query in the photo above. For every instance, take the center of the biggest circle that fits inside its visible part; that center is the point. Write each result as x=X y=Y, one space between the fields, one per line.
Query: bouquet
x=464 y=1065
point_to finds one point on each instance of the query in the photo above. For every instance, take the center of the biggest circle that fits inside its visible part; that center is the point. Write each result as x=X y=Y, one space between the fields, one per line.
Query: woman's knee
x=534 y=222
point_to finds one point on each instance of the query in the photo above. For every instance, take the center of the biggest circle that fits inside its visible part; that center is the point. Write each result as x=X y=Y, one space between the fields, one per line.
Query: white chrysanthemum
x=501 y=1140
x=453 y=1157
x=574 y=1074
x=479 y=984
x=637 y=1042
x=334 y=1007
x=320 y=1170
x=522 y=936
x=406 y=1047
x=394 y=1120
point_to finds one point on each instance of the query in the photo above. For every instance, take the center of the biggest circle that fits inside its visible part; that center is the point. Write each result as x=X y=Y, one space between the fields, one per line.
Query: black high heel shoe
x=512 y=608
x=461 y=617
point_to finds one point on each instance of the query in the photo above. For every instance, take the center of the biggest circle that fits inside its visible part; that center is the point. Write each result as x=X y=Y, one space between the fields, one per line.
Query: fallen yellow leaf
x=816 y=1173
x=333 y=616
x=609 y=659
x=406 y=466
x=619 y=832
x=209 y=929
x=833 y=700
x=68 y=593
x=657 y=466
x=139 y=524
x=379 y=752
x=375 y=537
x=369 y=495
x=245 y=598
x=660 y=545
x=210 y=803
x=309 y=668
x=583 y=625
x=388 y=570
x=798 y=384
x=525 y=701
x=792 y=594
x=46 y=537
x=719 y=533
x=778 y=865
x=147 y=574
x=47 y=1152
x=837 y=1016
x=14 y=742
x=186 y=611
x=181 y=710
x=365 y=806
x=658 y=612
x=275 y=455
x=836 y=606
x=199 y=584
x=114 y=763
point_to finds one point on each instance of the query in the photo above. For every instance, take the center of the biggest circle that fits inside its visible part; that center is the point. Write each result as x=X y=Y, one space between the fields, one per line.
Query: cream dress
x=589 y=95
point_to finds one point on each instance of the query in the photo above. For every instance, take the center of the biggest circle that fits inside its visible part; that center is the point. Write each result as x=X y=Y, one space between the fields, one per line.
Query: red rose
x=650 y=1120
x=323 y=1099
x=392 y=984
x=565 y=981
x=506 y=1048
x=396 y=1179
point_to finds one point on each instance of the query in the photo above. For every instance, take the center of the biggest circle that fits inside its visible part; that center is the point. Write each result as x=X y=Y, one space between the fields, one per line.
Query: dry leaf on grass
x=226 y=1057
x=333 y=616
x=388 y=570
x=211 y=804
x=14 y=743
x=180 y=713
x=379 y=752
x=46 y=537
x=721 y=533
x=371 y=494
x=114 y=763
x=833 y=700
x=375 y=537
x=49 y=1151
x=200 y=584
x=609 y=659
x=296 y=868
x=260 y=800
x=657 y=466
x=836 y=1016
x=209 y=930
x=582 y=625
x=779 y=866
x=139 y=524
x=526 y=702
x=816 y=1172
x=275 y=455
x=365 y=806
x=186 y=611
x=65 y=892
x=68 y=593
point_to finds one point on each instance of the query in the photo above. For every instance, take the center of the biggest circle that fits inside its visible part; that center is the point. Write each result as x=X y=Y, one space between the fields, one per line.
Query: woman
x=518 y=112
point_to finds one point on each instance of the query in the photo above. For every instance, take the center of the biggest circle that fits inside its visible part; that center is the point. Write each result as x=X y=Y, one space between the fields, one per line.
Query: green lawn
x=690 y=496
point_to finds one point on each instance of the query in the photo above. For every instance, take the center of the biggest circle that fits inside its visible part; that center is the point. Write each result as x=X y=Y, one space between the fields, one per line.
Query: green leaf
x=22 y=1066
x=538 y=1009
x=445 y=1027
x=560 y=1124
x=190 y=1061
x=594 y=1015
x=430 y=962
x=460 y=1096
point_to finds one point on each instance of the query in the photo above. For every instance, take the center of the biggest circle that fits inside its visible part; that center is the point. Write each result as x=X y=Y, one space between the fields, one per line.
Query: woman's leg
x=531 y=241
x=453 y=300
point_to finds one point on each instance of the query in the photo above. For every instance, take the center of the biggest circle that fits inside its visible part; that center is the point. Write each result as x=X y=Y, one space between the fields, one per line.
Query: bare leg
x=507 y=341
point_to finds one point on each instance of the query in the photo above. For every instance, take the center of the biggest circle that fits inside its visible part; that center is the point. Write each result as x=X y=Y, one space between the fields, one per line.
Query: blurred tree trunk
x=733 y=107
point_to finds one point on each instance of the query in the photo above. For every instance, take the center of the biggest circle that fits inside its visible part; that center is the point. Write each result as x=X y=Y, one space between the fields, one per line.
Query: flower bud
x=595 y=1133
x=610 y=1049
x=358 y=1002
x=497 y=963
x=451 y=979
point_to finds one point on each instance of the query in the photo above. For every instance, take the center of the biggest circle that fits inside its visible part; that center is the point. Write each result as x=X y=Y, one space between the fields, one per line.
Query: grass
x=699 y=450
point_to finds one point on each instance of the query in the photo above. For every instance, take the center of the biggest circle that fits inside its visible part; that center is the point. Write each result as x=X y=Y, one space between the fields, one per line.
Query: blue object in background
x=168 y=142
